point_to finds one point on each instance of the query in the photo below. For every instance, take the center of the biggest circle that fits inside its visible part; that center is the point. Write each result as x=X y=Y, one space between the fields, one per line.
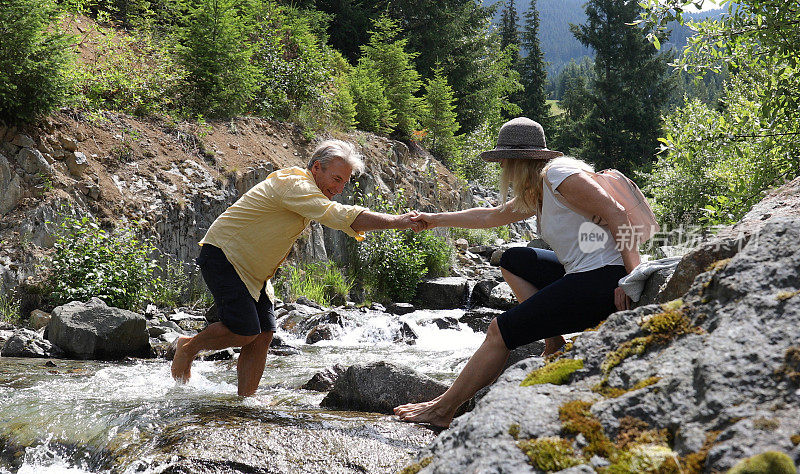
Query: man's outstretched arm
x=369 y=220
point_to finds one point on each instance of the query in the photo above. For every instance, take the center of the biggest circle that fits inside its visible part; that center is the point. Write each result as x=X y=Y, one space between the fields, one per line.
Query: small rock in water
x=502 y=297
x=323 y=380
x=322 y=332
x=495 y=258
x=224 y=354
x=50 y=363
x=400 y=308
x=447 y=322
x=378 y=307
x=27 y=343
x=407 y=335
x=478 y=319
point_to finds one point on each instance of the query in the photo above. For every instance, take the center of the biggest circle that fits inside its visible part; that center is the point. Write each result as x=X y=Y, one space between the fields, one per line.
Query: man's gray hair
x=329 y=150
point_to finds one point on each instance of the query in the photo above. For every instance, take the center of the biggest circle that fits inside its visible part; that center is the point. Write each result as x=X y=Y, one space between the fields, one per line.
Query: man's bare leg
x=523 y=290
x=215 y=337
x=252 y=360
x=482 y=369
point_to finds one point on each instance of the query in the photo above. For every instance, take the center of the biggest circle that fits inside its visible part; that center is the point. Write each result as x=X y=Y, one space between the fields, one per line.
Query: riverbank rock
x=95 y=331
x=27 y=343
x=400 y=308
x=713 y=377
x=381 y=386
x=323 y=380
x=442 y=293
x=322 y=332
x=502 y=297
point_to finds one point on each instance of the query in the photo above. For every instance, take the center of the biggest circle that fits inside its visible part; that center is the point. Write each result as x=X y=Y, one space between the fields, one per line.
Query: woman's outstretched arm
x=475 y=218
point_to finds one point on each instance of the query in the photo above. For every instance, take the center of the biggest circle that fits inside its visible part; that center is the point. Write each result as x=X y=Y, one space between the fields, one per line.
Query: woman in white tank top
x=568 y=289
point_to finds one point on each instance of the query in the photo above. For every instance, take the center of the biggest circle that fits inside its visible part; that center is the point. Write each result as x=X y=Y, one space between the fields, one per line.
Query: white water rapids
x=71 y=418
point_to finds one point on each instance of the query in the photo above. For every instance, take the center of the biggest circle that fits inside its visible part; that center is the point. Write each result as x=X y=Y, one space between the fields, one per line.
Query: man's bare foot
x=182 y=361
x=425 y=412
x=552 y=345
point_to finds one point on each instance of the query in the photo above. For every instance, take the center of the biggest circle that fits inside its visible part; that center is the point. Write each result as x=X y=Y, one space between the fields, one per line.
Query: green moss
x=644 y=458
x=557 y=373
x=790 y=369
x=765 y=424
x=694 y=463
x=770 y=462
x=795 y=439
x=785 y=295
x=577 y=418
x=626 y=349
x=718 y=265
x=417 y=466
x=550 y=454
x=513 y=430
x=613 y=392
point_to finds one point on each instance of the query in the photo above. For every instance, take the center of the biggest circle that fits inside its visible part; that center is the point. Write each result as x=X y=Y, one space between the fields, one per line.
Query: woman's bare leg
x=482 y=369
x=523 y=290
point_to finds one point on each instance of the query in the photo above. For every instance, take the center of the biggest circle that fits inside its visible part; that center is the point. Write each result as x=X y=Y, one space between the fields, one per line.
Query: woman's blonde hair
x=525 y=178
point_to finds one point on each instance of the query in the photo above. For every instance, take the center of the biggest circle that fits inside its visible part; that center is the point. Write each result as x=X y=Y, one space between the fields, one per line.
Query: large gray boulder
x=27 y=343
x=442 y=293
x=716 y=375
x=95 y=331
x=381 y=386
x=478 y=319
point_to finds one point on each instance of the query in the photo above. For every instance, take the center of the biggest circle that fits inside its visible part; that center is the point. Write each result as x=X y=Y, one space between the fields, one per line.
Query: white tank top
x=579 y=244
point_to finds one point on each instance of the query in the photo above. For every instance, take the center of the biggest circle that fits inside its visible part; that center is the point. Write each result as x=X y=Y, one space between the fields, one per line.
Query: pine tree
x=34 y=60
x=532 y=70
x=630 y=88
x=509 y=29
x=221 y=78
x=439 y=116
x=394 y=66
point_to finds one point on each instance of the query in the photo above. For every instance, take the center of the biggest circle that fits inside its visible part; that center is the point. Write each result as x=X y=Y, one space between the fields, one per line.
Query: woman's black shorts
x=237 y=309
x=565 y=303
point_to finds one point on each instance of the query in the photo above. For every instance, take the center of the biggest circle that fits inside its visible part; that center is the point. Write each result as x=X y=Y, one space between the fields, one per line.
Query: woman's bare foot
x=425 y=412
x=552 y=345
x=182 y=361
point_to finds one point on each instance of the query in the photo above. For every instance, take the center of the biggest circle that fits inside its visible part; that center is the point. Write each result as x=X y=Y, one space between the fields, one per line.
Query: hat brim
x=519 y=153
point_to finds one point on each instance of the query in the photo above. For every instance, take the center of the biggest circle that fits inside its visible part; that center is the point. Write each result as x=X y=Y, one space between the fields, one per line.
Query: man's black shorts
x=237 y=309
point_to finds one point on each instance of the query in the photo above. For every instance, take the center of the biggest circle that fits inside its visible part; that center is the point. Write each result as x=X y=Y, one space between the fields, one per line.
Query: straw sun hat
x=520 y=138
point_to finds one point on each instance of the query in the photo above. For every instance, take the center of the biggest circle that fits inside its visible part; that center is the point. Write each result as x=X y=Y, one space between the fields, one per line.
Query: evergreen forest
x=706 y=120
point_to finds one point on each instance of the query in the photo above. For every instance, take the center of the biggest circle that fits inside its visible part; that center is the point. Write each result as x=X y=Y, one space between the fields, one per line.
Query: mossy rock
x=557 y=373
x=770 y=462
x=417 y=466
x=550 y=453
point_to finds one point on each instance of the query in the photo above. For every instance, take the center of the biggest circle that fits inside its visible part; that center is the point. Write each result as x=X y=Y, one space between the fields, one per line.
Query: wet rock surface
x=442 y=293
x=379 y=387
x=323 y=380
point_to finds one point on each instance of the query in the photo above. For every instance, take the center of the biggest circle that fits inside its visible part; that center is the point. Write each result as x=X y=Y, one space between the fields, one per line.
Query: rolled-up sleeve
x=310 y=203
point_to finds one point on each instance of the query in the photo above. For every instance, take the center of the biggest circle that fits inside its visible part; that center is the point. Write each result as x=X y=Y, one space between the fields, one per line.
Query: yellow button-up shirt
x=256 y=233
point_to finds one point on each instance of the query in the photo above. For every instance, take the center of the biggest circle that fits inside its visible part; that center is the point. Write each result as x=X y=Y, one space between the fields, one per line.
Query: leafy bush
x=467 y=162
x=34 y=60
x=322 y=282
x=391 y=263
x=715 y=164
x=89 y=262
x=127 y=73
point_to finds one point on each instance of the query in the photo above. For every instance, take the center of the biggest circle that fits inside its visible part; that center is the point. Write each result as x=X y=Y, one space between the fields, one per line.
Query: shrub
x=480 y=236
x=392 y=263
x=9 y=308
x=34 y=60
x=221 y=79
x=322 y=282
x=127 y=73
x=89 y=262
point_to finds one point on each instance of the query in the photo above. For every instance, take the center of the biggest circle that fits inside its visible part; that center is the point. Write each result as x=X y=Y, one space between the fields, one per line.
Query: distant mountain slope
x=556 y=40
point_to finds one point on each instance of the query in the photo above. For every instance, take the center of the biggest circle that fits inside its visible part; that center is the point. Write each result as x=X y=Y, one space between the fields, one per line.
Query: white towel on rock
x=633 y=283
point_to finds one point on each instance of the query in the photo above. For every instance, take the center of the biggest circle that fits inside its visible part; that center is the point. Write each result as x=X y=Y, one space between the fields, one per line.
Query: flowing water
x=126 y=417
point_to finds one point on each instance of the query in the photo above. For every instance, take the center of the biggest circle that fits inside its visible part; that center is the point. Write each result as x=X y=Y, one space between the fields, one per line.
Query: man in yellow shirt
x=247 y=243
